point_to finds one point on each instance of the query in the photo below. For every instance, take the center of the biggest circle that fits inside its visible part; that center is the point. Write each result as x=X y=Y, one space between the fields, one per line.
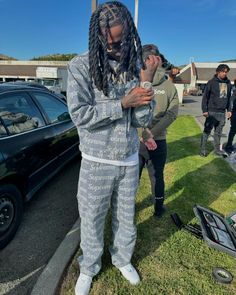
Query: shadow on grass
x=193 y=144
x=202 y=186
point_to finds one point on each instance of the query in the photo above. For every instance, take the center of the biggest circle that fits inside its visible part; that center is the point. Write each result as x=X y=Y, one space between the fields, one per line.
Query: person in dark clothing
x=229 y=146
x=215 y=101
x=153 y=147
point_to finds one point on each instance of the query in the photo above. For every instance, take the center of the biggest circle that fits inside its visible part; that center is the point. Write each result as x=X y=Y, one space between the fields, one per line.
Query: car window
x=55 y=109
x=18 y=113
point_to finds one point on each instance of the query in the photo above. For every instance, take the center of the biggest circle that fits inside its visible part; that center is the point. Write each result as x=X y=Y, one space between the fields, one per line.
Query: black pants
x=155 y=163
x=232 y=130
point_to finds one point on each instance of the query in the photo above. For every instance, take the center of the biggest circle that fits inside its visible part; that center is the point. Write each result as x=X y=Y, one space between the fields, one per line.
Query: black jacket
x=216 y=97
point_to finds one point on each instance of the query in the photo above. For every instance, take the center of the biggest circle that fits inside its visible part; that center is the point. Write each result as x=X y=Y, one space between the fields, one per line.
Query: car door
x=28 y=140
x=65 y=142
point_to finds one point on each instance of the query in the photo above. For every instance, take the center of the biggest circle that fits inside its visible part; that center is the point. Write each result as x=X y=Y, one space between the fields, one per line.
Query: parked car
x=33 y=84
x=37 y=138
x=195 y=92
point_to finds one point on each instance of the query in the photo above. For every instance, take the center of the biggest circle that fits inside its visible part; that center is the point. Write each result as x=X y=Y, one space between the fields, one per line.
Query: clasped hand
x=137 y=97
x=149 y=142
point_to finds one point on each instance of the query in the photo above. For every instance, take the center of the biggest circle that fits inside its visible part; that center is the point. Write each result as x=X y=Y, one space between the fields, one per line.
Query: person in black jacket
x=215 y=101
x=229 y=146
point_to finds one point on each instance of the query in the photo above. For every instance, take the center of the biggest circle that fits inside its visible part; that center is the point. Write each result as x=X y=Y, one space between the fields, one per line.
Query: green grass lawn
x=170 y=261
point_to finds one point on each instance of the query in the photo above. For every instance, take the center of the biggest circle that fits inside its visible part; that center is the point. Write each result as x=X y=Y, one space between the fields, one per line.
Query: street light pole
x=94 y=5
x=136 y=14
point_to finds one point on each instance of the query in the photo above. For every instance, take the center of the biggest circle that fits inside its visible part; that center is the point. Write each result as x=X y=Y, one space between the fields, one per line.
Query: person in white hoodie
x=107 y=104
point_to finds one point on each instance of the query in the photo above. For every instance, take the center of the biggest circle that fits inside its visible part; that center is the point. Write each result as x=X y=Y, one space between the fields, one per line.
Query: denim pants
x=216 y=120
x=101 y=186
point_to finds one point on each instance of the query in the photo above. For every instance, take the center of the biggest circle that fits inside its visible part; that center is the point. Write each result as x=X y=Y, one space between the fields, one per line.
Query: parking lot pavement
x=47 y=219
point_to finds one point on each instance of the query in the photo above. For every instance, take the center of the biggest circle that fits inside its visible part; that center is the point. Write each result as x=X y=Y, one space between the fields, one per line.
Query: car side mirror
x=63 y=117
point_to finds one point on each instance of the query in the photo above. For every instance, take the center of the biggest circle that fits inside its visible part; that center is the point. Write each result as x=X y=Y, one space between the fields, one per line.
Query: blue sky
x=182 y=29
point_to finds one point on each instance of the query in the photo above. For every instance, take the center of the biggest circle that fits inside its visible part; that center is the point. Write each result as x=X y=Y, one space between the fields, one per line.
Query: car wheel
x=11 y=210
x=222 y=275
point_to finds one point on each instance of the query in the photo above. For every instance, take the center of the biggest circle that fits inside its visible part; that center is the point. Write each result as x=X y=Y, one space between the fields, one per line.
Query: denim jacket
x=106 y=130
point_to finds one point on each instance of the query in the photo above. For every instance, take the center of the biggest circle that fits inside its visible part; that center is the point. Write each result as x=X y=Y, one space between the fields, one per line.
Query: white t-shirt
x=130 y=161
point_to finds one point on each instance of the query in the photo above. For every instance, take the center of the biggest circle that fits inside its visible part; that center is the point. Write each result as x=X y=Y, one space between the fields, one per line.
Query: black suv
x=37 y=137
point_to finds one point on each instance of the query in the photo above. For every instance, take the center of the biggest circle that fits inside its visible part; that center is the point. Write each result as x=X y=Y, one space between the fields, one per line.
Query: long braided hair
x=107 y=15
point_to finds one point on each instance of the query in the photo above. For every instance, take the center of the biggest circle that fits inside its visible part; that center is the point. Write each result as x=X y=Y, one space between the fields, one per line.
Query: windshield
x=48 y=82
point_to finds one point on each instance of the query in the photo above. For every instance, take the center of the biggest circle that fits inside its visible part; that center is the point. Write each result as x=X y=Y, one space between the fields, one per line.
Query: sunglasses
x=114 y=46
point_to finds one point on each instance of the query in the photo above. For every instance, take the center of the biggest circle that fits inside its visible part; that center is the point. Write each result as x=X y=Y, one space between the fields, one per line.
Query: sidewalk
x=50 y=279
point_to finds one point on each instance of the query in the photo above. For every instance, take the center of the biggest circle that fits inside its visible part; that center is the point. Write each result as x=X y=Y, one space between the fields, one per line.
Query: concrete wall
x=180 y=90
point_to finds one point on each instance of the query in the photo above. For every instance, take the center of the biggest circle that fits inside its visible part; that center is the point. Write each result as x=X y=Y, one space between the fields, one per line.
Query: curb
x=49 y=280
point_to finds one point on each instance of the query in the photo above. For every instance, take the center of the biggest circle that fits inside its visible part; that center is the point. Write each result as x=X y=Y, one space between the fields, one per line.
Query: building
x=52 y=74
x=194 y=76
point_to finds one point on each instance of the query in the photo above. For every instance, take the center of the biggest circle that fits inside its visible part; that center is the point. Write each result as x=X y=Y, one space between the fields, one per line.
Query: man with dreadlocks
x=107 y=104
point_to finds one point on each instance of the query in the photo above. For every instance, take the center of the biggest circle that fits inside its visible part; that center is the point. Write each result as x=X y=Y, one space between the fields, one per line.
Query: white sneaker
x=83 y=284
x=130 y=273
